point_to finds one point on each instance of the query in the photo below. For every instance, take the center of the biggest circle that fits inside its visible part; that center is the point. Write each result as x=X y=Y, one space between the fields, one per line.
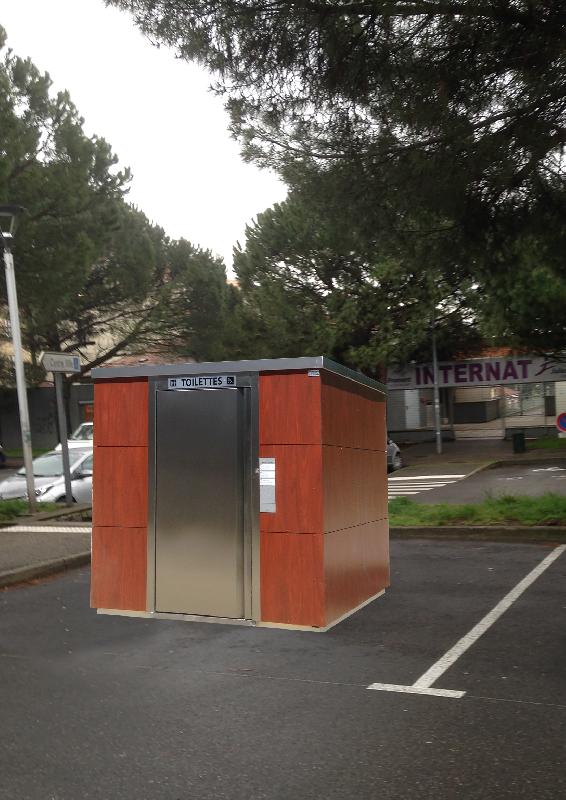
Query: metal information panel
x=267 y=485
x=202 y=382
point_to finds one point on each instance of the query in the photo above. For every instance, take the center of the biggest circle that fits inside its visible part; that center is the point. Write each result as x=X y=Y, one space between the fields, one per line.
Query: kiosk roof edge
x=257 y=365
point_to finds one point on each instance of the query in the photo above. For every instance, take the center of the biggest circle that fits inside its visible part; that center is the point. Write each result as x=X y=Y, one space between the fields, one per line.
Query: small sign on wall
x=202 y=382
x=267 y=485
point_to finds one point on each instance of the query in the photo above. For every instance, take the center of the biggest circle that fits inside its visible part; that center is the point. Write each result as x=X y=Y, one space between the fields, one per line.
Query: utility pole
x=10 y=214
x=437 y=427
x=58 y=378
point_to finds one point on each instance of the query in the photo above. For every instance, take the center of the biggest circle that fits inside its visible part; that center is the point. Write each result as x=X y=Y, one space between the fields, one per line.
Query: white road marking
x=449 y=658
x=47 y=529
x=429 y=482
x=394 y=687
x=412 y=490
x=413 y=484
x=418 y=486
x=424 y=477
x=409 y=491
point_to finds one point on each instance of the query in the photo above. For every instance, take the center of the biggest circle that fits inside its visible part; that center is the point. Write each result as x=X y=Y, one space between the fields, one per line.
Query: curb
x=483 y=533
x=494 y=461
x=529 y=462
x=480 y=468
x=66 y=511
x=44 y=516
x=43 y=569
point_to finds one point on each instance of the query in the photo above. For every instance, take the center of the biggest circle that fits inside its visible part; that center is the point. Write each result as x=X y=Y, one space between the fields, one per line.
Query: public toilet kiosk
x=252 y=492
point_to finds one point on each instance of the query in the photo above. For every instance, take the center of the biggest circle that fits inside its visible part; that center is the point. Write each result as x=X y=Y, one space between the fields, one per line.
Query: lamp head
x=8 y=221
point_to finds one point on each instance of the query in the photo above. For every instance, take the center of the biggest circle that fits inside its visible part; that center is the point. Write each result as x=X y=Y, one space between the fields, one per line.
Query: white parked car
x=82 y=437
x=49 y=480
x=394 y=460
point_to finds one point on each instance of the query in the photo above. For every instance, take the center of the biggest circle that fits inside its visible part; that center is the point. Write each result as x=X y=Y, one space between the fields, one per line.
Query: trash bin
x=252 y=491
x=519 y=445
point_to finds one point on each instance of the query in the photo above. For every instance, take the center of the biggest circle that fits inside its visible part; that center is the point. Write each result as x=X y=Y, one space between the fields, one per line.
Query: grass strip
x=547 y=509
x=15 y=453
x=552 y=443
x=12 y=509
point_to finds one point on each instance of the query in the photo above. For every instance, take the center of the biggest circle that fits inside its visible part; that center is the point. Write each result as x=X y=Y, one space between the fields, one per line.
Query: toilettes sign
x=202 y=382
x=479 y=372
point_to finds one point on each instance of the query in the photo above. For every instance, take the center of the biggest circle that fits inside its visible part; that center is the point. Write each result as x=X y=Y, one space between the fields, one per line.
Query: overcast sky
x=156 y=112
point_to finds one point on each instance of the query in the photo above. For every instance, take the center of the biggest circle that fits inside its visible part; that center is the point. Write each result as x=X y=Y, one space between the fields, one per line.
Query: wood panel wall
x=356 y=550
x=325 y=550
x=290 y=426
x=119 y=533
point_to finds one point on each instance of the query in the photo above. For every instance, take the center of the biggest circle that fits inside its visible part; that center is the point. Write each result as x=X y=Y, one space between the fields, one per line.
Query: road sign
x=60 y=362
x=561 y=421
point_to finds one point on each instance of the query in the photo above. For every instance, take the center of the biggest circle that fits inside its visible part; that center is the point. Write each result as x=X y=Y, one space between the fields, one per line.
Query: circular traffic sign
x=561 y=421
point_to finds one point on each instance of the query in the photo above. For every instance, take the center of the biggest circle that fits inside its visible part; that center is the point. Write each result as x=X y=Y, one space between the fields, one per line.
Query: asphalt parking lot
x=518 y=479
x=108 y=707
x=469 y=483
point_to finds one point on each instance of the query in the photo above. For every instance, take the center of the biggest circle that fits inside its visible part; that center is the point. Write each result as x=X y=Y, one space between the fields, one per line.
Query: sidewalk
x=476 y=451
x=36 y=549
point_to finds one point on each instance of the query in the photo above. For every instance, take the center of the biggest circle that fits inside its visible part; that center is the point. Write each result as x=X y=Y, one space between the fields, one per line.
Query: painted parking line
x=424 y=684
x=394 y=687
x=414 y=484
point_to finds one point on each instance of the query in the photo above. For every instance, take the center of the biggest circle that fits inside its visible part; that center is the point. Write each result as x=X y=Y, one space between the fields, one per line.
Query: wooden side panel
x=292 y=585
x=353 y=415
x=121 y=409
x=298 y=489
x=119 y=567
x=356 y=566
x=326 y=549
x=289 y=408
x=120 y=487
x=356 y=541
x=119 y=535
x=355 y=487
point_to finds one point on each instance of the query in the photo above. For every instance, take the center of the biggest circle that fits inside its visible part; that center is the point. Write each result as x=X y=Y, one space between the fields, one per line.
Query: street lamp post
x=8 y=219
x=437 y=425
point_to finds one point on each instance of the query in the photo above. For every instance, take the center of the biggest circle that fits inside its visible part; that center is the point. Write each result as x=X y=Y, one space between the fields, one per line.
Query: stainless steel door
x=199 y=537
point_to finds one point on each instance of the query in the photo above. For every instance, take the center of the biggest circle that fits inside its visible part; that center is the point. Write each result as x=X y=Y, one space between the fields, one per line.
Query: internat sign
x=484 y=398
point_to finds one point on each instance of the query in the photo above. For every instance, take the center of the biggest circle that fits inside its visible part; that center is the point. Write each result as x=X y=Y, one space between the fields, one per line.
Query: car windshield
x=83 y=433
x=50 y=465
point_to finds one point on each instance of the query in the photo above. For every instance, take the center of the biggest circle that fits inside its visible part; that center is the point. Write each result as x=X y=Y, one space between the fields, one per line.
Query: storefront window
x=523 y=399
